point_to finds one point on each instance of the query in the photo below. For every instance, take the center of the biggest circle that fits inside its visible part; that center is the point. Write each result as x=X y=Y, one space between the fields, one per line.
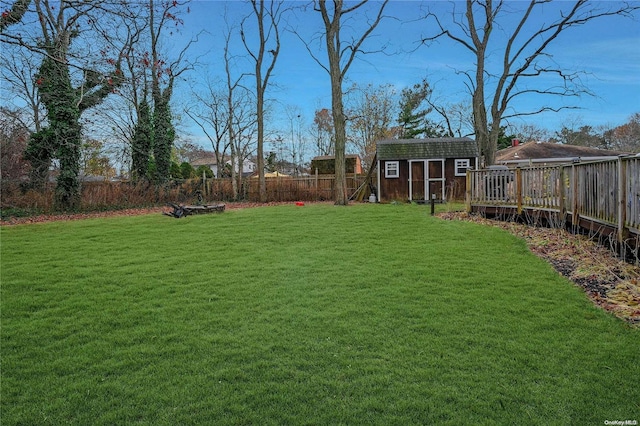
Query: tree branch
x=14 y=15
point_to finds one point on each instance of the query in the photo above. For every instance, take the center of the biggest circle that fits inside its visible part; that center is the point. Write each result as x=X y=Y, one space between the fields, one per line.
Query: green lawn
x=367 y=314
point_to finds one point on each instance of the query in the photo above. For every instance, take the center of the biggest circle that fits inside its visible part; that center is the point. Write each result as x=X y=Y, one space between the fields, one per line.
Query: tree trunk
x=335 y=51
x=260 y=117
x=337 y=110
x=341 y=198
x=263 y=181
x=480 y=125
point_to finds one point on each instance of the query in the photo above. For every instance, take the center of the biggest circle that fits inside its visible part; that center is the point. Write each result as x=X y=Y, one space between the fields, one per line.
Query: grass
x=369 y=314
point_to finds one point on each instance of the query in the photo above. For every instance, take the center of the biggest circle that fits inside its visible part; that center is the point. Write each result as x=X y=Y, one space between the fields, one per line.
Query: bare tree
x=267 y=21
x=524 y=47
x=240 y=121
x=528 y=132
x=17 y=67
x=120 y=116
x=297 y=143
x=625 y=137
x=212 y=117
x=13 y=141
x=245 y=129
x=323 y=133
x=341 y=55
x=372 y=110
x=455 y=118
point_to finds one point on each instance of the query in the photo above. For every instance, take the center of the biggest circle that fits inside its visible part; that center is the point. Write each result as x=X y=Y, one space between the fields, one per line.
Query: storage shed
x=326 y=164
x=418 y=169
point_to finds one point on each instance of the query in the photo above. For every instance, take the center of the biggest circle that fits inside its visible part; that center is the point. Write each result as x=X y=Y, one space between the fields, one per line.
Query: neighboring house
x=419 y=169
x=544 y=153
x=326 y=164
x=209 y=162
x=248 y=166
x=288 y=168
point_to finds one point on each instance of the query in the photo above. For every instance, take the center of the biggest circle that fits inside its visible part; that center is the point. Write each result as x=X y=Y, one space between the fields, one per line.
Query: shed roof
x=410 y=149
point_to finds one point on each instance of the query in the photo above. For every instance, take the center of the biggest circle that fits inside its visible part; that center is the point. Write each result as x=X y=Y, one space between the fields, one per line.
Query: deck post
x=519 y=190
x=622 y=205
x=562 y=196
x=468 y=192
x=575 y=216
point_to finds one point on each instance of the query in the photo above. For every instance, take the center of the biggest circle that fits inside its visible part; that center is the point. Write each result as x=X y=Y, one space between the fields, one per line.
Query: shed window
x=392 y=169
x=462 y=166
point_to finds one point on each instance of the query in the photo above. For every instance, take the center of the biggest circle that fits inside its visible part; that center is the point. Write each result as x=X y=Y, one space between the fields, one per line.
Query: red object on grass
x=299 y=203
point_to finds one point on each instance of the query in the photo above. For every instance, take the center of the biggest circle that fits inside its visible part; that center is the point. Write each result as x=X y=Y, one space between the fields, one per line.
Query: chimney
x=515 y=142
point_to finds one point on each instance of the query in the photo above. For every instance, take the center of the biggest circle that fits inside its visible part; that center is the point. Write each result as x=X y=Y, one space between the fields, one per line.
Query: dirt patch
x=609 y=282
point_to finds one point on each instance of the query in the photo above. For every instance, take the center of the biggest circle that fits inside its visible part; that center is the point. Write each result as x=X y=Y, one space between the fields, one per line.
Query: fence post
x=316 y=184
x=622 y=204
x=204 y=184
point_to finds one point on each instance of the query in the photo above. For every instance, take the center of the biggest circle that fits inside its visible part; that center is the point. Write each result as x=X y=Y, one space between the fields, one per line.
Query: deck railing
x=605 y=192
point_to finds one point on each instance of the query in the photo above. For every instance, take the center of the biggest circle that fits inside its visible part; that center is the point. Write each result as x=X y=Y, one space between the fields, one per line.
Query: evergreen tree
x=412 y=118
x=504 y=140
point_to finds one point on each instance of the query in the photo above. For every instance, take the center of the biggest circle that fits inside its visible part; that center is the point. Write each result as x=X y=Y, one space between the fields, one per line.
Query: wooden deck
x=600 y=198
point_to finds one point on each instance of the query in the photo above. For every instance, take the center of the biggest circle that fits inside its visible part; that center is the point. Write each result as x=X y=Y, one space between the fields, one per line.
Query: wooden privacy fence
x=601 y=196
x=122 y=194
x=286 y=188
x=300 y=188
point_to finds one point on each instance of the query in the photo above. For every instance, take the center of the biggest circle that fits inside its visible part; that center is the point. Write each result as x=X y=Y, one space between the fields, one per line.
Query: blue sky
x=607 y=50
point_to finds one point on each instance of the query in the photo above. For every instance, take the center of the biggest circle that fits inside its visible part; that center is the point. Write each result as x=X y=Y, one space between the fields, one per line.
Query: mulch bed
x=609 y=282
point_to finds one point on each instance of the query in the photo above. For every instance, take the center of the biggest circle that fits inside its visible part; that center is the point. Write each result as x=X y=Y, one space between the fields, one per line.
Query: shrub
x=187 y=170
x=208 y=173
x=175 y=171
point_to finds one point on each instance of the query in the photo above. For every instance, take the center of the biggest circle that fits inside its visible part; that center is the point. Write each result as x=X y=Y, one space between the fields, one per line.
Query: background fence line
x=124 y=194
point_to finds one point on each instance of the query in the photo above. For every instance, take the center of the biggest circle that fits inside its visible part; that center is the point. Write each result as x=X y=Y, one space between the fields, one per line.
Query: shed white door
x=426 y=178
x=435 y=178
x=417 y=180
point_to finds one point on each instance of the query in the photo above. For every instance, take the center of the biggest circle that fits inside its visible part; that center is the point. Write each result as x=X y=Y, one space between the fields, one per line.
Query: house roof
x=552 y=151
x=409 y=149
x=204 y=161
x=332 y=157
